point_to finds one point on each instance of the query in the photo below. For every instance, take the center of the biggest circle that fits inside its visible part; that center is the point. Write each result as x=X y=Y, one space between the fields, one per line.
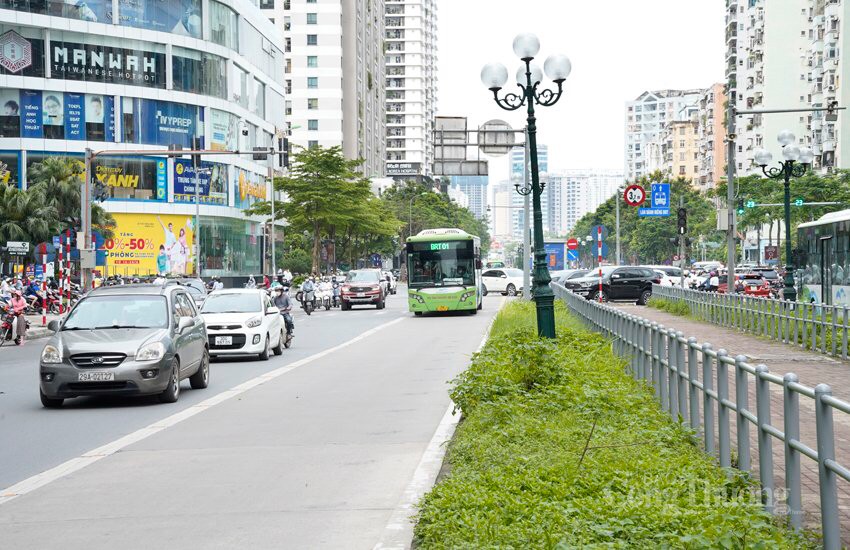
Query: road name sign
x=653 y=212
x=18 y=247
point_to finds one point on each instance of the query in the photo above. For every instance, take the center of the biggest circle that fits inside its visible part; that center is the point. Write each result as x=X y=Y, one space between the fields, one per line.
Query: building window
x=267 y=4
x=224 y=26
x=313 y=103
x=681 y=170
x=312 y=18
x=312 y=144
x=312 y=61
x=313 y=125
x=682 y=143
x=312 y=39
x=313 y=82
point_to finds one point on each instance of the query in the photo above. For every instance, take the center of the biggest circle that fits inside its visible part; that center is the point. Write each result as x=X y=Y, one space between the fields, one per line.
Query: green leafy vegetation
x=560 y=448
x=676 y=307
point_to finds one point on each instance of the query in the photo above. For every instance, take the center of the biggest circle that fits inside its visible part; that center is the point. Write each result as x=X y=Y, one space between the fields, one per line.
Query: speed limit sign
x=634 y=195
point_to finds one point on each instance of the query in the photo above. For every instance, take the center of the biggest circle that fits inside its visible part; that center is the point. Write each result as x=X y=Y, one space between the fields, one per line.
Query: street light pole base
x=789 y=293
x=545 y=305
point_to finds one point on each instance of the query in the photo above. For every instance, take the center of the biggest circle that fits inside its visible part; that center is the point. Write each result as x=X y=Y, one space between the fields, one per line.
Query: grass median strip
x=561 y=448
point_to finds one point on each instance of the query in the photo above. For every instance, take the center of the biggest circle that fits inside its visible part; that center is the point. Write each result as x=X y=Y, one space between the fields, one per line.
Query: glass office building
x=151 y=76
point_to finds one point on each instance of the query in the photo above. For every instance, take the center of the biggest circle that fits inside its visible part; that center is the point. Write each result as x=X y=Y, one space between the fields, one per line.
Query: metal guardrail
x=691 y=380
x=817 y=327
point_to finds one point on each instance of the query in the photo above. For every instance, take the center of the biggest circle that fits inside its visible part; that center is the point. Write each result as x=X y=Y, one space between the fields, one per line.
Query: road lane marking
x=398 y=532
x=86 y=459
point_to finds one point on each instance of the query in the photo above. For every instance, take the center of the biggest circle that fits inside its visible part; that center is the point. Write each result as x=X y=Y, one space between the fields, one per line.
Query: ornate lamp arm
x=511 y=101
x=547 y=97
x=775 y=172
x=798 y=170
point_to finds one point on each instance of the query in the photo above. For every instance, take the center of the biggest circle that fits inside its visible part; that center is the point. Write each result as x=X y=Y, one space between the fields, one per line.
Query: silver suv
x=126 y=340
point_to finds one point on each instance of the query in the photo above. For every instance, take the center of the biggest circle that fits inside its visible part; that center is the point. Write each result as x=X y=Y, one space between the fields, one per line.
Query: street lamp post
x=529 y=77
x=795 y=164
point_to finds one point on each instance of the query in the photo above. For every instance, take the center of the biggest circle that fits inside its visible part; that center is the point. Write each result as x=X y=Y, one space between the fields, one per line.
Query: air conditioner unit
x=830 y=88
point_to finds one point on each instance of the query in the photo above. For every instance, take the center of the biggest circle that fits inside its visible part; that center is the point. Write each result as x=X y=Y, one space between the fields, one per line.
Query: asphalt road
x=316 y=457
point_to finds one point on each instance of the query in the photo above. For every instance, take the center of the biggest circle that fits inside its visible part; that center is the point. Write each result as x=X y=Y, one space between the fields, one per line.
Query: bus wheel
x=473 y=312
x=484 y=291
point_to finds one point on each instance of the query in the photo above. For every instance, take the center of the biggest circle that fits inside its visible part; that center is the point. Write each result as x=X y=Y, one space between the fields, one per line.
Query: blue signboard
x=653 y=212
x=376 y=260
x=572 y=255
x=31 y=114
x=213 y=182
x=173 y=16
x=660 y=197
x=166 y=123
x=554 y=255
x=161 y=180
x=594 y=232
x=74 y=117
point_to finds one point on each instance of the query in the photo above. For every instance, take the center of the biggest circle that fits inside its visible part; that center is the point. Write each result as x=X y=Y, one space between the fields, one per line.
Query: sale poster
x=146 y=244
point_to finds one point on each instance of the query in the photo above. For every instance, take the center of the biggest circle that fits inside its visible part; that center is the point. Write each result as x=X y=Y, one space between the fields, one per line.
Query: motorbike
x=323 y=296
x=335 y=291
x=7 y=323
x=308 y=301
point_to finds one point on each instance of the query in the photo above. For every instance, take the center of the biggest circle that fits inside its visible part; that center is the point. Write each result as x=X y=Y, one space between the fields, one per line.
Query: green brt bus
x=444 y=271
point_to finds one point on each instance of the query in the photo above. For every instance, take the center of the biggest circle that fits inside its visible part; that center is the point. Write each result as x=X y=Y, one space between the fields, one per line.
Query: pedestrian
x=18 y=306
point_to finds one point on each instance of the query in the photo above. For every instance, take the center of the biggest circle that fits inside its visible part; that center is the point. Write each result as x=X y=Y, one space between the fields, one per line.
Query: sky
x=618 y=50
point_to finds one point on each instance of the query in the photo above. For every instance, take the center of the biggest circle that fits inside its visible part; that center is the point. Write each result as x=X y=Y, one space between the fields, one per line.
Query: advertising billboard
x=213 y=182
x=174 y=16
x=57 y=115
x=156 y=122
x=99 y=63
x=555 y=253
x=224 y=129
x=249 y=188
x=147 y=244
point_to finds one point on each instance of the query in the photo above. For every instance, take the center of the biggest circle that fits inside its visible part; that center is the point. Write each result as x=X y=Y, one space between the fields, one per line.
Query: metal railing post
x=647 y=351
x=765 y=444
x=830 y=528
x=724 y=438
x=707 y=400
x=791 y=418
x=742 y=426
x=693 y=375
x=681 y=378
x=658 y=350
x=671 y=405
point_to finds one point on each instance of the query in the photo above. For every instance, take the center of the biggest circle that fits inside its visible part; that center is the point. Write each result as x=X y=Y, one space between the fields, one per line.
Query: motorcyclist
x=31 y=294
x=335 y=286
x=251 y=282
x=18 y=306
x=284 y=304
x=217 y=284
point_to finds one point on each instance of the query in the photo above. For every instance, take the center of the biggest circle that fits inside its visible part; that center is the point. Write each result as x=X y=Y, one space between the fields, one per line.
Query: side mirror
x=54 y=325
x=615 y=276
x=503 y=276
x=184 y=323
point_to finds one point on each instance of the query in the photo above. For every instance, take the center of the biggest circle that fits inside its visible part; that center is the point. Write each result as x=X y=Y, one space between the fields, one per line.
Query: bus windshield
x=447 y=263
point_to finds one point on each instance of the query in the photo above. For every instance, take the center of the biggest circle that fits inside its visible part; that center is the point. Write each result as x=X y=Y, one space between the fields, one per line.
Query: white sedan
x=243 y=321
x=504 y=280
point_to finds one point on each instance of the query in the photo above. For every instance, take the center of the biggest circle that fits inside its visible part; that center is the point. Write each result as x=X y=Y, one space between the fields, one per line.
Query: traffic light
x=682 y=221
x=798 y=202
x=740 y=206
x=751 y=204
x=197 y=146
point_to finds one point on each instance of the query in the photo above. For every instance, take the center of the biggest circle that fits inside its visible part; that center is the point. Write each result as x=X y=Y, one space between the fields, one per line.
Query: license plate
x=753 y=288
x=224 y=340
x=361 y=294
x=442 y=308
x=96 y=376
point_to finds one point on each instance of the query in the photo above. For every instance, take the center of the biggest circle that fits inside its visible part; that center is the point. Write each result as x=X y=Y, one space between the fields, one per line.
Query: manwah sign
x=146 y=244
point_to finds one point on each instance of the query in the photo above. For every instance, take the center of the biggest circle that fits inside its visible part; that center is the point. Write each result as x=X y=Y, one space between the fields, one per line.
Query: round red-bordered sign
x=634 y=195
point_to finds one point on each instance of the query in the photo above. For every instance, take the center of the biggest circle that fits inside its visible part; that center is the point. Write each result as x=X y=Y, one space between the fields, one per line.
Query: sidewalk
x=812 y=369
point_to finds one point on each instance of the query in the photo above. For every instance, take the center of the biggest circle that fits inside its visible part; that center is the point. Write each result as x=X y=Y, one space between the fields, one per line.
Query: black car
x=618 y=283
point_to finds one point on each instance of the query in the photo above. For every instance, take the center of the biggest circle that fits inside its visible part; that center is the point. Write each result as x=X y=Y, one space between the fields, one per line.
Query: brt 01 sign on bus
x=444 y=267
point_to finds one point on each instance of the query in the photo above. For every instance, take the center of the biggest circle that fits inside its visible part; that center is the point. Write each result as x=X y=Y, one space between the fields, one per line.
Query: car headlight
x=585 y=284
x=151 y=352
x=51 y=354
x=466 y=295
x=254 y=322
x=418 y=298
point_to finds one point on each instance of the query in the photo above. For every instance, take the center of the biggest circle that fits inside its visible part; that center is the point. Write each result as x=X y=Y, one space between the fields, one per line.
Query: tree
x=58 y=180
x=24 y=216
x=326 y=196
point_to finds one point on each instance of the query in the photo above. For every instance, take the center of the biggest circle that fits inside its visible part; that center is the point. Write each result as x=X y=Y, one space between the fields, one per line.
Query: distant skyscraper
x=583 y=191
x=517 y=157
x=475 y=188
x=411 y=56
x=334 y=64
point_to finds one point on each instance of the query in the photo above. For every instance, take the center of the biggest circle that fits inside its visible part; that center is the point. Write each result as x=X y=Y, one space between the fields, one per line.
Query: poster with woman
x=10 y=113
x=53 y=115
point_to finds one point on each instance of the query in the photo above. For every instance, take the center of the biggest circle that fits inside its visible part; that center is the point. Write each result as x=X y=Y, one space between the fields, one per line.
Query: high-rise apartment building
x=551 y=194
x=501 y=213
x=335 y=74
x=680 y=147
x=711 y=137
x=475 y=189
x=583 y=190
x=411 y=59
x=646 y=118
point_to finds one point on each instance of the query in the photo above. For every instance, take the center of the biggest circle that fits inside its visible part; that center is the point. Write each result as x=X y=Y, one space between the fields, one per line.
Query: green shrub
x=675 y=307
x=560 y=448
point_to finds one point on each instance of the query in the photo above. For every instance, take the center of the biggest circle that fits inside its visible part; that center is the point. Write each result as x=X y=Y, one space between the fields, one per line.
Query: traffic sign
x=604 y=250
x=18 y=248
x=661 y=196
x=653 y=212
x=675 y=257
x=572 y=244
x=634 y=195
x=572 y=255
x=594 y=232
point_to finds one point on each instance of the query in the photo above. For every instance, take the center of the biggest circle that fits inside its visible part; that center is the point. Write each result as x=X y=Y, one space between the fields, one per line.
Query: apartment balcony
x=830 y=63
x=817 y=46
x=731 y=34
x=832 y=9
x=817 y=124
x=828 y=144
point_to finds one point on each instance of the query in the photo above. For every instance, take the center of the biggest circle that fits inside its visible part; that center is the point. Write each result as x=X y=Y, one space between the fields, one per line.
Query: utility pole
x=85 y=222
x=730 y=186
x=617 y=209
x=196 y=161
x=682 y=248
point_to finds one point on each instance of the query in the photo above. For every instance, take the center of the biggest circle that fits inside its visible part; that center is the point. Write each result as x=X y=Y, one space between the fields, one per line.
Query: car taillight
x=657 y=281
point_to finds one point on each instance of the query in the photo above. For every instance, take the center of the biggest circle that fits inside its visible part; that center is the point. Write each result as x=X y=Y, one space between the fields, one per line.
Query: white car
x=393 y=286
x=670 y=275
x=503 y=280
x=243 y=321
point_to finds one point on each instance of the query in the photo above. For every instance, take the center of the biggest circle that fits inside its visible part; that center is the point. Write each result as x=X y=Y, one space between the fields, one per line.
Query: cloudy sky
x=618 y=49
